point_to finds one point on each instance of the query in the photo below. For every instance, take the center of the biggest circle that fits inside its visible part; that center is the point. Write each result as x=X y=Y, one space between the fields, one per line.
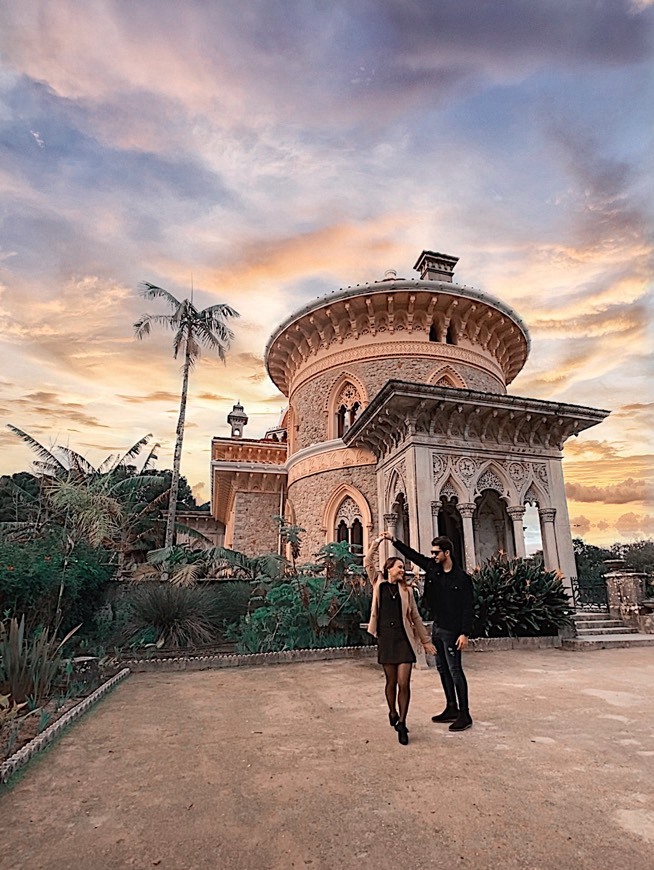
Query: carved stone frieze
x=331 y=459
x=425 y=349
x=467 y=467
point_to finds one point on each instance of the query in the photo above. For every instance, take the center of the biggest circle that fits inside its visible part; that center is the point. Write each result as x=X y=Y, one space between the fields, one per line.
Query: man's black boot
x=462 y=722
x=449 y=714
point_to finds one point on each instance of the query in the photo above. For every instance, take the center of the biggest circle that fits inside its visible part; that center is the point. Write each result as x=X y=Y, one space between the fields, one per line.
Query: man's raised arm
x=421 y=561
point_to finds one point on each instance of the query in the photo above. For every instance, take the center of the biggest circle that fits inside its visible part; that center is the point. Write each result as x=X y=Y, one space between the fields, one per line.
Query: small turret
x=237 y=419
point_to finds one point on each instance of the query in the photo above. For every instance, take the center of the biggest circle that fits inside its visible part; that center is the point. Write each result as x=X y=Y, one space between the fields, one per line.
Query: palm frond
x=133 y=451
x=151 y=457
x=151 y=291
x=77 y=462
x=143 y=326
x=46 y=455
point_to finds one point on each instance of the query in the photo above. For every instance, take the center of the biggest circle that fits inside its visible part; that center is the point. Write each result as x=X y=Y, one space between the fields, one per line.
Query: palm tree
x=192 y=329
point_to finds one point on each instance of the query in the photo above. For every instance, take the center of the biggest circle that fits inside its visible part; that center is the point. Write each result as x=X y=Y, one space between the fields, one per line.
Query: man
x=448 y=599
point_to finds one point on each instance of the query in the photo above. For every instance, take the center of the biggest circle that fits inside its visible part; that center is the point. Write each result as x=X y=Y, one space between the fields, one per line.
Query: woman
x=396 y=623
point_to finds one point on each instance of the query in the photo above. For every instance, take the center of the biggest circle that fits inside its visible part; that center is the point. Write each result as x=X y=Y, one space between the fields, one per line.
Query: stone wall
x=255 y=531
x=310 y=399
x=310 y=495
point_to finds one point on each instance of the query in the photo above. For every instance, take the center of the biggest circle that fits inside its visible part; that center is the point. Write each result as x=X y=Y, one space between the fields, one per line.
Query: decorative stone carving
x=448 y=491
x=349 y=511
x=436 y=508
x=517 y=471
x=340 y=458
x=540 y=471
x=489 y=480
x=348 y=397
x=547 y=515
x=516 y=512
x=467 y=511
x=390 y=521
x=531 y=496
x=466 y=467
x=437 y=466
x=425 y=349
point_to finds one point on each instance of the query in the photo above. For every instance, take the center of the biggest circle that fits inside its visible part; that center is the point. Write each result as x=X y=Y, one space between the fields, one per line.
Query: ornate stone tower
x=237 y=419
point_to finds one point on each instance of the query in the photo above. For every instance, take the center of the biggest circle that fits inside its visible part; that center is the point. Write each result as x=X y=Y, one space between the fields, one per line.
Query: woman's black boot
x=393 y=718
x=402 y=733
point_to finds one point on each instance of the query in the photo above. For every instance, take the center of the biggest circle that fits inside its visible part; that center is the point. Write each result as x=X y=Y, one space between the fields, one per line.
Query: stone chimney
x=436 y=267
x=237 y=419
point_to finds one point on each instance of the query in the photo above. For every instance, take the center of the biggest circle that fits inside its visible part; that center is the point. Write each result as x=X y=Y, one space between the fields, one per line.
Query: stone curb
x=23 y=755
x=199 y=663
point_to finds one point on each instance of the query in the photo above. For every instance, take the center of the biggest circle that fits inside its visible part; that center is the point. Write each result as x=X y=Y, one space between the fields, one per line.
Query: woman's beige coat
x=413 y=624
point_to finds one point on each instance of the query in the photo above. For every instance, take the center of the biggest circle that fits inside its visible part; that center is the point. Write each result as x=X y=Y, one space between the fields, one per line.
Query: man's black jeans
x=448 y=662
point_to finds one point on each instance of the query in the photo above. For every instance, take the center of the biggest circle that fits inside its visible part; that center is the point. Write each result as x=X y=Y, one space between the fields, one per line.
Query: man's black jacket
x=447 y=595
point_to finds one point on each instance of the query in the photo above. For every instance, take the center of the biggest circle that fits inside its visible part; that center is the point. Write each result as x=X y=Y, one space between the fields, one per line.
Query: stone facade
x=310 y=400
x=399 y=418
x=310 y=499
x=254 y=531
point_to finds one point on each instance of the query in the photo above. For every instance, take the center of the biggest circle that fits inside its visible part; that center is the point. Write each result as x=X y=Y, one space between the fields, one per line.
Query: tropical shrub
x=518 y=598
x=31 y=574
x=321 y=606
x=174 y=617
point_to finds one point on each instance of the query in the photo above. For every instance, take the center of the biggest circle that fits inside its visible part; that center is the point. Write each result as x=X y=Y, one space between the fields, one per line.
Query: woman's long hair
x=388 y=564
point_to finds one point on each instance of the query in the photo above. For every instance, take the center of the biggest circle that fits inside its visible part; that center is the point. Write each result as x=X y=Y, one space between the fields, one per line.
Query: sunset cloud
x=265 y=154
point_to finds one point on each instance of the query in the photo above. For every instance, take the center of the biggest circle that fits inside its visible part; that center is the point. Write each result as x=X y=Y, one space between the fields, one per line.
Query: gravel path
x=295 y=766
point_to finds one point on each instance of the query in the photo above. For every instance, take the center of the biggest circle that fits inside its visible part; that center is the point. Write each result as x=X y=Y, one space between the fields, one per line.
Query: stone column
x=467 y=512
x=390 y=525
x=548 y=536
x=517 y=512
x=435 y=510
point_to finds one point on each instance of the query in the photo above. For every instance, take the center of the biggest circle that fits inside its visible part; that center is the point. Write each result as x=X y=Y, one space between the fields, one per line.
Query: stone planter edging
x=488 y=644
x=38 y=743
x=200 y=663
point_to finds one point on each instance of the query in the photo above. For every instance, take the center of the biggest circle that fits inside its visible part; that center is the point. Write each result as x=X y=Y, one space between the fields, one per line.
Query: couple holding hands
x=399 y=629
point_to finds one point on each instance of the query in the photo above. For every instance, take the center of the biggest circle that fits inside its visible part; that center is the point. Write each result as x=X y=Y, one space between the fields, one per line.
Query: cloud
x=157 y=396
x=631 y=523
x=620 y=493
x=599 y=449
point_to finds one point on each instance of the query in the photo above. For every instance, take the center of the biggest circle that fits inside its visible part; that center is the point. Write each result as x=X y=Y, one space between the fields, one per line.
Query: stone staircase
x=599 y=631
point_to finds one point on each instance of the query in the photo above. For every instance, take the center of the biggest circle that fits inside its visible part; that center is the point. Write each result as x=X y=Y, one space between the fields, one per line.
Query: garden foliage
x=320 y=606
x=518 y=598
x=177 y=617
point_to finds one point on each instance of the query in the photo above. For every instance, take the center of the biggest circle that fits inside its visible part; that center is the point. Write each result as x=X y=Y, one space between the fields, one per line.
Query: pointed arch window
x=349 y=527
x=348 y=407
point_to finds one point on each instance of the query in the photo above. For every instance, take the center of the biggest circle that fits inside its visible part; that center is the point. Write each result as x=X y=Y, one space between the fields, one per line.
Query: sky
x=267 y=152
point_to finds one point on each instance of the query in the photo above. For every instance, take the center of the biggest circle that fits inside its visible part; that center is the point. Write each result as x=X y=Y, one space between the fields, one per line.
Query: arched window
x=433 y=333
x=451 y=337
x=349 y=527
x=348 y=405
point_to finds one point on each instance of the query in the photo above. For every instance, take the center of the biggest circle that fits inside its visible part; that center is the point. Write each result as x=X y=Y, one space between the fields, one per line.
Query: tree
x=192 y=329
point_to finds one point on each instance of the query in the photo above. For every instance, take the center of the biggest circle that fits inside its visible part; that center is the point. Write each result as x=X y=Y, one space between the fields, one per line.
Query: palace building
x=399 y=418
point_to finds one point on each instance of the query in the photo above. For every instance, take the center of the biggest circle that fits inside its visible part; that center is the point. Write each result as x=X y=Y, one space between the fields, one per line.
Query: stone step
x=614 y=629
x=601 y=623
x=590 y=615
x=600 y=641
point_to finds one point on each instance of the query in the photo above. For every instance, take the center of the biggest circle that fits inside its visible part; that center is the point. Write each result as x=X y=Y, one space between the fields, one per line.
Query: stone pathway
x=295 y=766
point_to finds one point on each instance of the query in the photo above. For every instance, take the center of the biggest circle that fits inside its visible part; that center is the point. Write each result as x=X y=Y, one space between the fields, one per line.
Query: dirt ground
x=295 y=766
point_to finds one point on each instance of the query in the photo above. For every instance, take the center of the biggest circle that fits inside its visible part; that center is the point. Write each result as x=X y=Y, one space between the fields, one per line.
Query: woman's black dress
x=393 y=647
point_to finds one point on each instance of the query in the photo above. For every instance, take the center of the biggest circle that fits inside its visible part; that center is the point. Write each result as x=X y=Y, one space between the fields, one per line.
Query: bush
x=30 y=577
x=518 y=598
x=175 y=617
x=305 y=613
